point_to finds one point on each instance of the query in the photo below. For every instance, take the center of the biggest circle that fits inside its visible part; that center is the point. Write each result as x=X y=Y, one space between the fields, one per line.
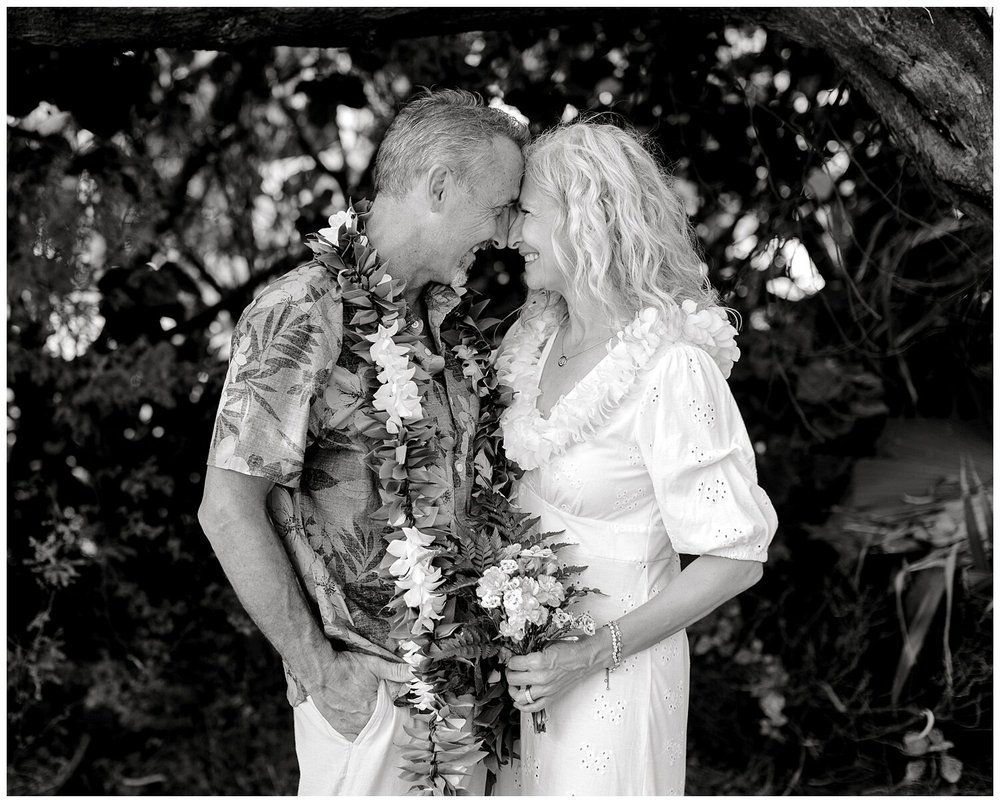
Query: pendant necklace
x=565 y=358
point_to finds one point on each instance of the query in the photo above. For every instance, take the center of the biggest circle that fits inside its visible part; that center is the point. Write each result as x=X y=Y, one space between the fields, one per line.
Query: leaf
x=951 y=769
x=914 y=743
x=468 y=643
x=949 y=589
x=364 y=316
x=455 y=585
x=315 y=479
x=445 y=630
x=922 y=600
x=566 y=571
x=528 y=540
x=914 y=455
x=977 y=521
x=914 y=771
x=820 y=381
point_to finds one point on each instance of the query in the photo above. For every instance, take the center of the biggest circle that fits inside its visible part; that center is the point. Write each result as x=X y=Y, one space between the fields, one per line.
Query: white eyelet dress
x=646 y=457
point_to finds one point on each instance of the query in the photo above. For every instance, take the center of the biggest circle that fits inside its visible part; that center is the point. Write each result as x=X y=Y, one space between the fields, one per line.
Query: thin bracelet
x=616 y=651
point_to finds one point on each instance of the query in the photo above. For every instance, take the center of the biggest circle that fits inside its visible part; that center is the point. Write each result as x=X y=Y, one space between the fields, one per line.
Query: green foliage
x=868 y=650
x=151 y=194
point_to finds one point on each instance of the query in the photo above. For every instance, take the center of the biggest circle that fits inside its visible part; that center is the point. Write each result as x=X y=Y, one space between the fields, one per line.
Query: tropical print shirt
x=287 y=414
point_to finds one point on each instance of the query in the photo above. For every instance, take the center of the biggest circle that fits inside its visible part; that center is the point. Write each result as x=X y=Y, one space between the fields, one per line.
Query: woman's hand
x=549 y=673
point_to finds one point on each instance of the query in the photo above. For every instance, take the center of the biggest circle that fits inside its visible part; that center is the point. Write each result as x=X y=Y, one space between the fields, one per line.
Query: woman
x=632 y=444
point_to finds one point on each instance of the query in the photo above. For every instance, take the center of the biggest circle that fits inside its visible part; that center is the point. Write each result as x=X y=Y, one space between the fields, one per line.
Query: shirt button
x=460 y=467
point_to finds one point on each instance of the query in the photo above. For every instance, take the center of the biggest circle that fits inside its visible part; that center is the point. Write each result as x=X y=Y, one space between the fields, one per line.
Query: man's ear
x=439 y=181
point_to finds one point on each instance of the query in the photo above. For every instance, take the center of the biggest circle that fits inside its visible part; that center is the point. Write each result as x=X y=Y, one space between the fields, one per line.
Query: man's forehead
x=508 y=195
x=504 y=186
x=500 y=175
x=510 y=162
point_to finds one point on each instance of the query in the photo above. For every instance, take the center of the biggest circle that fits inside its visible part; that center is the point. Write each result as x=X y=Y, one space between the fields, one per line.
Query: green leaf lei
x=461 y=713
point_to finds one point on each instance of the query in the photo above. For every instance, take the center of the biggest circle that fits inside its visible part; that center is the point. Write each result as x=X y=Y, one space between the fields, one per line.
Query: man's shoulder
x=310 y=289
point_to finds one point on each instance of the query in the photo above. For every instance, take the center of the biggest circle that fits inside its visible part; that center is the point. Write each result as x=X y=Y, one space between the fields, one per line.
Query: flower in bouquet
x=550 y=591
x=527 y=601
x=490 y=588
x=538 y=560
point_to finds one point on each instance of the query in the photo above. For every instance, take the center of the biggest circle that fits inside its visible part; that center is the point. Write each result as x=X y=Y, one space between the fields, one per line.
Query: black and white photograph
x=499 y=401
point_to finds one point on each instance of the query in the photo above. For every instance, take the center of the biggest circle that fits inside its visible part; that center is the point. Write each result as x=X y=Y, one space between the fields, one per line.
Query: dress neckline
x=531 y=438
x=540 y=367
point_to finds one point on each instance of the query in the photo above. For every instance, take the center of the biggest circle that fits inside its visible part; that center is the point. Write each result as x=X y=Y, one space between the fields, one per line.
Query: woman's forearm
x=703 y=586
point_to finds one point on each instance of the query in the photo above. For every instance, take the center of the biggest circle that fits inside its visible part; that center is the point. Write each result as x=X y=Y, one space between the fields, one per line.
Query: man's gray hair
x=448 y=126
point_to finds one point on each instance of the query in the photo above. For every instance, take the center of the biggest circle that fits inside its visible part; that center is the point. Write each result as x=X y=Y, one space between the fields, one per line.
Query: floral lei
x=461 y=715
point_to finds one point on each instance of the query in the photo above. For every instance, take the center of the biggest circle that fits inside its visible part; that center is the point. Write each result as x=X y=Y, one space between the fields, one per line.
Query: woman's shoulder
x=683 y=370
x=693 y=336
x=686 y=381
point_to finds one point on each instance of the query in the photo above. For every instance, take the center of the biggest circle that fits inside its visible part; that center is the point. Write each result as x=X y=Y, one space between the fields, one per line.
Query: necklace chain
x=564 y=357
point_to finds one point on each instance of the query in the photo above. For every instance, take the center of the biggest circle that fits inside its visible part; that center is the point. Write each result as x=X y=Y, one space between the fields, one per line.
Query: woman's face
x=533 y=234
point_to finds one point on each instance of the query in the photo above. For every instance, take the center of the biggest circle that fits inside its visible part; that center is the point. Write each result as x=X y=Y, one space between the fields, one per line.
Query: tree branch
x=226 y=28
x=235 y=300
x=928 y=74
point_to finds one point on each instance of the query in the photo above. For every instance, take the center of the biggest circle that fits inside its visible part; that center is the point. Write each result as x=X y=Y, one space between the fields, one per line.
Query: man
x=288 y=500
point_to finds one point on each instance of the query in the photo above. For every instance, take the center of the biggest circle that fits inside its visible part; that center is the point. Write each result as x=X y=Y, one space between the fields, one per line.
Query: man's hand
x=347 y=696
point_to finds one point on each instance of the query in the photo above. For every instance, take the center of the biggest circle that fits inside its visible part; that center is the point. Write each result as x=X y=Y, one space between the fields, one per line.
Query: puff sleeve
x=696 y=449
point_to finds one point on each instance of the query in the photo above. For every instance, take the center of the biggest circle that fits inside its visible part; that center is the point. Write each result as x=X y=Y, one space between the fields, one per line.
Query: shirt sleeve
x=697 y=451
x=283 y=350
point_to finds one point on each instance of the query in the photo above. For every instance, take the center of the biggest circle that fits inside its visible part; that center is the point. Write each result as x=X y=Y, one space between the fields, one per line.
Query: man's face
x=479 y=216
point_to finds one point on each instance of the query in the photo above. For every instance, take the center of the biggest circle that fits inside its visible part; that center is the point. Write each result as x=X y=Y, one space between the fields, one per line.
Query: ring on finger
x=527 y=695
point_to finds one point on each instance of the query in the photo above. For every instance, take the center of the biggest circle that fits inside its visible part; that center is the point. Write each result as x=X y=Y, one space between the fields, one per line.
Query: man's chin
x=461 y=275
x=459 y=280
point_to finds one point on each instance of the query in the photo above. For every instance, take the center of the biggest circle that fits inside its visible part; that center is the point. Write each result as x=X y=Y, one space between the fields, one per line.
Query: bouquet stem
x=538 y=719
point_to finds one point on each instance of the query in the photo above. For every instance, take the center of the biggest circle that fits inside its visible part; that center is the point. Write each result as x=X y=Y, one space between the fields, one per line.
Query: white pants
x=330 y=764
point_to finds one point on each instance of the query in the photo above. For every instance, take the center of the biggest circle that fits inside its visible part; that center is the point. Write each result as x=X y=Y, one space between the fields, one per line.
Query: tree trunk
x=927 y=72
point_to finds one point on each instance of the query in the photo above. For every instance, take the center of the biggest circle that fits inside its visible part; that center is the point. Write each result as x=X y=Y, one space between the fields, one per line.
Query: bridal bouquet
x=527 y=600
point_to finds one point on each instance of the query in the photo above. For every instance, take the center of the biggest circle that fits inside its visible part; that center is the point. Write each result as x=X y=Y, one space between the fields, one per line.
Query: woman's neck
x=587 y=321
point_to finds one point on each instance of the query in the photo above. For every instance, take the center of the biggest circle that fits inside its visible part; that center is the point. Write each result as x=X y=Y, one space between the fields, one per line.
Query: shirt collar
x=440 y=299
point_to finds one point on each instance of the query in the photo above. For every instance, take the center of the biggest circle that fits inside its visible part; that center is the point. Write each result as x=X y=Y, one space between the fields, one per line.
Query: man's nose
x=514 y=230
x=501 y=237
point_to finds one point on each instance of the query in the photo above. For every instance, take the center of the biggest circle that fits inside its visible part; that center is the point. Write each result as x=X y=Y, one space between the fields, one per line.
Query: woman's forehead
x=529 y=188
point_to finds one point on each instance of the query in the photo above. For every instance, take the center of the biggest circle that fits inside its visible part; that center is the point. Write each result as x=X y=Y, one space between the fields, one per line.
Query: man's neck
x=391 y=231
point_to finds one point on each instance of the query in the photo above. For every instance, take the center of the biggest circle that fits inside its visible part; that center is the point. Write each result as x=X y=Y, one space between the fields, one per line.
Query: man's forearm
x=258 y=568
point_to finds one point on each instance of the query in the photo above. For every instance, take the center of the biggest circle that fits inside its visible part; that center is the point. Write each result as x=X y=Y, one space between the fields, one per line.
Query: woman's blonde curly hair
x=628 y=241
